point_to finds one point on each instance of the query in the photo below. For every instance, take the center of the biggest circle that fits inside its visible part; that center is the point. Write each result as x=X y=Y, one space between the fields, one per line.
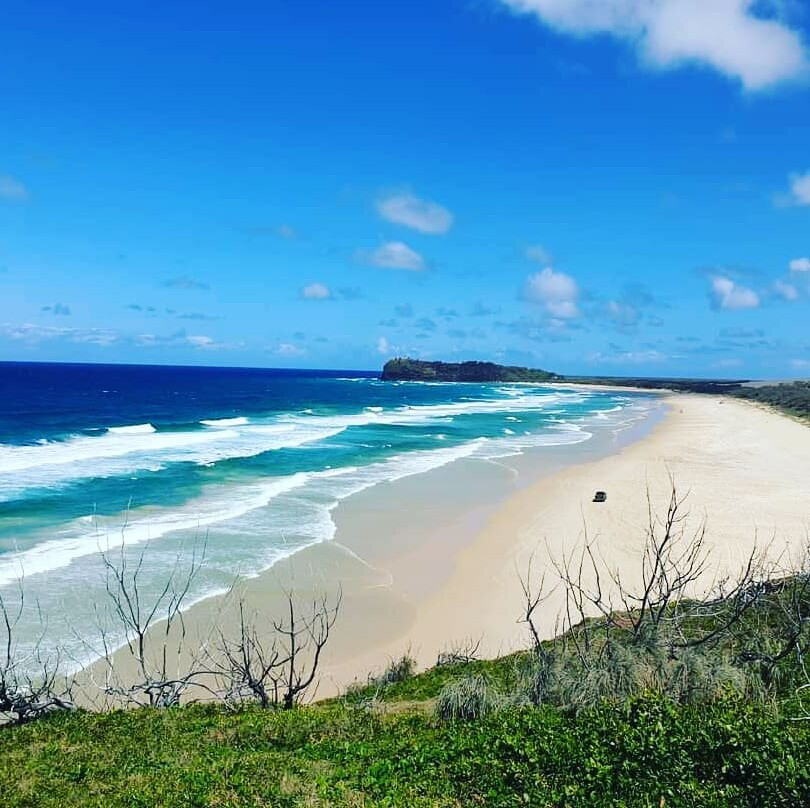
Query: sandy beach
x=435 y=559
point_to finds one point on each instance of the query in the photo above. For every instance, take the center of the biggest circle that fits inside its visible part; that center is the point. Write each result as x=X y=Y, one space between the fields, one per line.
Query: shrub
x=398 y=670
x=467 y=699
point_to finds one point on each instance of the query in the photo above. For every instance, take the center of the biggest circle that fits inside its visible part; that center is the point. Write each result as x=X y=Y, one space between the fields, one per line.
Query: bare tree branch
x=31 y=682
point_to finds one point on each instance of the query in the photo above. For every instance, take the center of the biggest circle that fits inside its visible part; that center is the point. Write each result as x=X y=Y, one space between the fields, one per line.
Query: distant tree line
x=793 y=398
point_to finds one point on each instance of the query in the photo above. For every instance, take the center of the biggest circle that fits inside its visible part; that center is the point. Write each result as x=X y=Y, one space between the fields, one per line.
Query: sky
x=604 y=187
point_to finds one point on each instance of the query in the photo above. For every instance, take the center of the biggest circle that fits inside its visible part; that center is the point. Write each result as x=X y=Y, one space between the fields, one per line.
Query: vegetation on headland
x=650 y=696
x=418 y=370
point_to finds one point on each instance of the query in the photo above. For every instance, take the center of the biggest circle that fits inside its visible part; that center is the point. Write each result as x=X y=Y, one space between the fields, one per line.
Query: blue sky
x=618 y=188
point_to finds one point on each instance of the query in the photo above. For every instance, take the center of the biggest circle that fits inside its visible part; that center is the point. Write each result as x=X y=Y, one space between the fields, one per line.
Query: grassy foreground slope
x=386 y=747
x=648 y=752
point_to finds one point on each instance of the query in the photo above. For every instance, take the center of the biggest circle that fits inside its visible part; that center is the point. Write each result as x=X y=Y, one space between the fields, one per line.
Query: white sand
x=747 y=472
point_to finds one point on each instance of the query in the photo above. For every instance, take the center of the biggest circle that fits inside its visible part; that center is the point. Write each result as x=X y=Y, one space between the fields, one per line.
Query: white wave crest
x=127 y=450
x=194 y=516
x=325 y=488
x=54 y=464
x=225 y=422
x=135 y=429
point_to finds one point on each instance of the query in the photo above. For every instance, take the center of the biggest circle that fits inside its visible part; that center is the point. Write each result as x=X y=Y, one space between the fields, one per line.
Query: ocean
x=250 y=462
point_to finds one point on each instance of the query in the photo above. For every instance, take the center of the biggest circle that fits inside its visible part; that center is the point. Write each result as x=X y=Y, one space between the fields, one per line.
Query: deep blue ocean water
x=255 y=460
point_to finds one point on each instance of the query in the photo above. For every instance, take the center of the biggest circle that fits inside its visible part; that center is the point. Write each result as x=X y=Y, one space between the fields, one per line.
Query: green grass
x=427 y=685
x=730 y=753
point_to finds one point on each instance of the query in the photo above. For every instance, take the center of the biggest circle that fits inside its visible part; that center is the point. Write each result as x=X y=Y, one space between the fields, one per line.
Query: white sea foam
x=57 y=463
x=135 y=429
x=150 y=525
x=417 y=414
x=517 y=444
x=325 y=488
x=227 y=508
x=113 y=443
x=225 y=422
x=128 y=449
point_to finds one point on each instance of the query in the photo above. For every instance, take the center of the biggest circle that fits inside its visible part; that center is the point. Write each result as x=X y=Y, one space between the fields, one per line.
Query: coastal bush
x=467 y=699
x=616 y=671
x=793 y=398
x=398 y=670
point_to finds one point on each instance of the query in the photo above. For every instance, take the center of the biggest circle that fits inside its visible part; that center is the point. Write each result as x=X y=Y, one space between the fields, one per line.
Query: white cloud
x=727 y=294
x=180 y=339
x=800 y=265
x=539 y=254
x=801 y=364
x=12 y=189
x=628 y=357
x=799 y=189
x=556 y=291
x=186 y=282
x=316 y=291
x=383 y=347
x=33 y=334
x=201 y=341
x=288 y=349
x=785 y=290
x=396 y=255
x=726 y=35
x=418 y=214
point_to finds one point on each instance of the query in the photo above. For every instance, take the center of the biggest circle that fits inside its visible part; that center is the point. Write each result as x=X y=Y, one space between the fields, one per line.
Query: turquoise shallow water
x=253 y=462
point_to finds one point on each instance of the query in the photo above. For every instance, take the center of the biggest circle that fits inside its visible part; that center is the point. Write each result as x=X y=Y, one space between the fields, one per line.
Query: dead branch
x=274 y=665
x=302 y=640
x=31 y=682
x=461 y=653
x=152 y=629
x=248 y=666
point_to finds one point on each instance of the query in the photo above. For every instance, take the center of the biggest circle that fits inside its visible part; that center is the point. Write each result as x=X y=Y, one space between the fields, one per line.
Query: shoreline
x=615 y=388
x=434 y=559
